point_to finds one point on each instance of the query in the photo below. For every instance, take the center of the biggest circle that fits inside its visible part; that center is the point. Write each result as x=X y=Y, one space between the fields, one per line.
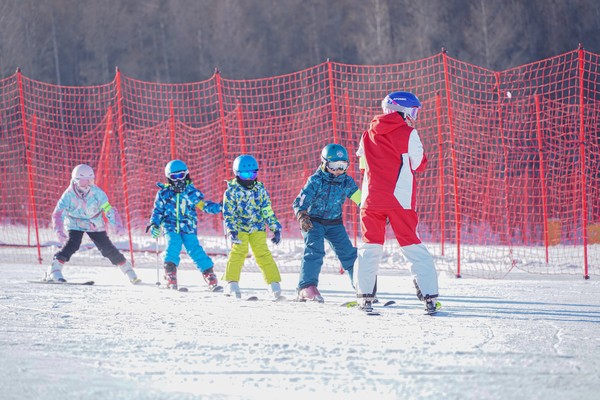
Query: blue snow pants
x=314 y=251
x=192 y=246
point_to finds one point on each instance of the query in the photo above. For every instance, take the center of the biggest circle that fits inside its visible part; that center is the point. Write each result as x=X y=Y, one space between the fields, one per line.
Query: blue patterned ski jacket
x=248 y=209
x=176 y=212
x=324 y=194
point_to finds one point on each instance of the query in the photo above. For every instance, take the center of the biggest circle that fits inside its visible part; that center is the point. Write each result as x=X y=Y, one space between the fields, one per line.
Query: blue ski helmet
x=245 y=167
x=335 y=157
x=175 y=166
x=245 y=163
x=404 y=102
x=178 y=175
x=334 y=152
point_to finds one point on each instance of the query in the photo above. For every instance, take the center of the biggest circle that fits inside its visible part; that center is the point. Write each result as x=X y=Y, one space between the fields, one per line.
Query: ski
x=86 y=283
x=216 y=289
x=179 y=289
x=354 y=303
x=276 y=300
x=256 y=298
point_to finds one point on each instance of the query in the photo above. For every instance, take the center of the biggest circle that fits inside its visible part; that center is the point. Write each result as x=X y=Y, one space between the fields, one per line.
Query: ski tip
x=372 y=313
x=217 y=289
x=50 y=282
x=389 y=303
x=183 y=289
x=349 y=304
x=252 y=298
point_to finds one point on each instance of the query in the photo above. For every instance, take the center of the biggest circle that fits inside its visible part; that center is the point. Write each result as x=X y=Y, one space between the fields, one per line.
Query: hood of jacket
x=385 y=124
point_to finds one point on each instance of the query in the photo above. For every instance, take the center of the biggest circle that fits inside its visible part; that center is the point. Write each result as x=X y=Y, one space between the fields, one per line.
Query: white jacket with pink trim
x=84 y=212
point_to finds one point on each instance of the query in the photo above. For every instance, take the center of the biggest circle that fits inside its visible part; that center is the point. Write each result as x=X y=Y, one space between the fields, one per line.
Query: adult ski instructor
x=391 y=151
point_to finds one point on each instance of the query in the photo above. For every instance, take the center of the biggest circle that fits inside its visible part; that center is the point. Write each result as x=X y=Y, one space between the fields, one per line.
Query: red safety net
x=512 y=180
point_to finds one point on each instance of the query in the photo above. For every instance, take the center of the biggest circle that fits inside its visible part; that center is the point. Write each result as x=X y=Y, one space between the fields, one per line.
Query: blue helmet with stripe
x=178 y=175
x=404 y=102
x=175 y=166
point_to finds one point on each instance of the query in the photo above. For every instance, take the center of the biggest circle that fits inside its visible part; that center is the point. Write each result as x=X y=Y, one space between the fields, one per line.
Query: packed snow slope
x=525 y=337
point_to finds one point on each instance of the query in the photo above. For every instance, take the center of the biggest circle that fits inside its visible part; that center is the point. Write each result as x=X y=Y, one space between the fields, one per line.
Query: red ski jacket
x=391 y=152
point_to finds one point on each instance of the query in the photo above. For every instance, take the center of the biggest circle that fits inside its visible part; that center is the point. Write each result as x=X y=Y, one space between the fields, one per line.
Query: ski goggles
x=84 y=182
x=177 y=176
x=411 y=112
x=248 y=175
x=337 y=165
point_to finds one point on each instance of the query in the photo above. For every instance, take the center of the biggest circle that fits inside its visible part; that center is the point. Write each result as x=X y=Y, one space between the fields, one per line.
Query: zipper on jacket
x=177 y=213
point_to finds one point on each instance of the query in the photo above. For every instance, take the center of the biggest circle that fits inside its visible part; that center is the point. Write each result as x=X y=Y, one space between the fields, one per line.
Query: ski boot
x=55 y=271
x=233 y=289
x=366 y=304
x=171 y=275
x=127 y=269
x=310 y=293
x=432 y=305
x=275 y=290
x=211 y=279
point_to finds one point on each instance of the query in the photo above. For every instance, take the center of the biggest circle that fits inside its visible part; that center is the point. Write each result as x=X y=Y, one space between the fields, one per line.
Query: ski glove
x=213 y=208
x=305 y=222
x=62 y=237
x=276 y=237
x=234 y=238
x=154 y=230
x=120 y=230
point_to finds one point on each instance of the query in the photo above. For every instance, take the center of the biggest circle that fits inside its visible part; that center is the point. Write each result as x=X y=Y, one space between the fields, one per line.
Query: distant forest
x=80 y=42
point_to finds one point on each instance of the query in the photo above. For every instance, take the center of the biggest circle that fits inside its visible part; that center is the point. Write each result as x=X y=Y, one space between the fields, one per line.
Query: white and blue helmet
x=176 y=167
x=404 y=102
x=178 y=175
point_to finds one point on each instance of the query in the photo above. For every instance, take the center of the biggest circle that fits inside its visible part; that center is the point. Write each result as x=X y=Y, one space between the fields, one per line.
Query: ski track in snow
x=531 y=338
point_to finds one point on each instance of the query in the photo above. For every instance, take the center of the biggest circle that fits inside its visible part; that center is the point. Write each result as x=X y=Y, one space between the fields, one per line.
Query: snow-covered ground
x=523 y=337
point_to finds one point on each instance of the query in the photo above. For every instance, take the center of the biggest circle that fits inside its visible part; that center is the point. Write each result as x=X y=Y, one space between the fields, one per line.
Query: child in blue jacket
x=318 y=208
x=175 y=210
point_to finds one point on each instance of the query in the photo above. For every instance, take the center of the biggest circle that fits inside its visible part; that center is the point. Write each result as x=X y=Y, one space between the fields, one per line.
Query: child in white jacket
x=80 y=210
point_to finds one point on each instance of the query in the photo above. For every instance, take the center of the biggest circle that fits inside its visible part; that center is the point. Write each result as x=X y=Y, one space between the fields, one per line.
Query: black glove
x=154 y=230
x=276 y=237
x=234 y=238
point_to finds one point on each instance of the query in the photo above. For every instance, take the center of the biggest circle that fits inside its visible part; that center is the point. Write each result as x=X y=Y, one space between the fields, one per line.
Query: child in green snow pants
x=264 y=259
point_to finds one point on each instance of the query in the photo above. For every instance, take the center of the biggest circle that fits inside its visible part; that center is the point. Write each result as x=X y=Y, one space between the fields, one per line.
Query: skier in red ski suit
x=391 y=152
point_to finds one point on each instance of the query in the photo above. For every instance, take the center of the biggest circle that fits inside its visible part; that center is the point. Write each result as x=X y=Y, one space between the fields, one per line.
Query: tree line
x=80 y=42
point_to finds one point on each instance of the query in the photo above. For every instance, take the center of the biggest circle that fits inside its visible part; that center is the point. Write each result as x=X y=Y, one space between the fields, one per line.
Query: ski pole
x=226 y=237
x=157 y=265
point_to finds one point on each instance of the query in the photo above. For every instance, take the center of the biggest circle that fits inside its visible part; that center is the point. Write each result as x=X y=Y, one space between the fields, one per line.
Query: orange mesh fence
x=512 y=180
